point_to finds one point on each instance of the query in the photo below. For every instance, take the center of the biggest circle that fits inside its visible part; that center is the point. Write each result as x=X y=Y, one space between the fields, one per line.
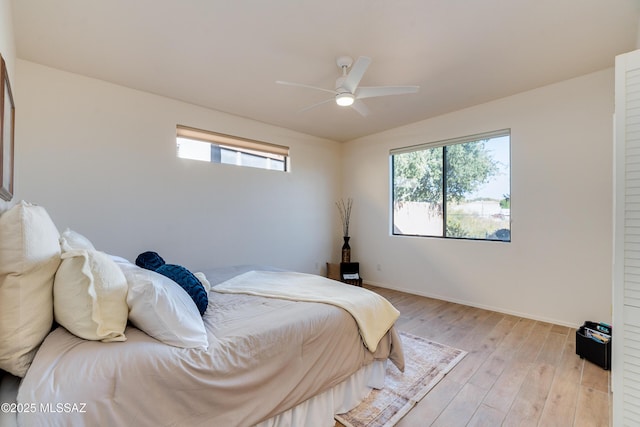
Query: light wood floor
x=519 y=372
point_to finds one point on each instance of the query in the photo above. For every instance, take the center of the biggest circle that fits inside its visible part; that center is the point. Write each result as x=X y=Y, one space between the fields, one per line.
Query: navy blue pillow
x=149 y=260
x=183 y=277
x=189 y=283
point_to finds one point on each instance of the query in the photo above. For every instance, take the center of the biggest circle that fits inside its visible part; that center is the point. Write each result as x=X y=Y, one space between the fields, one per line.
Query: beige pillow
x=70 y=240
x=29 y=257
x=90 y=296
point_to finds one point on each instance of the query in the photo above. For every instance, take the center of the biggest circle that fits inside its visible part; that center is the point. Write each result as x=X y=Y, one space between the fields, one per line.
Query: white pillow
x=71 y=240
x=29 y=257
x=159 y=307
x=203 y=279
x=90 y=296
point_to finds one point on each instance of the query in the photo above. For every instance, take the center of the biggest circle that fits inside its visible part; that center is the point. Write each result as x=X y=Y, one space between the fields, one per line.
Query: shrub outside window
x=197 y=144
x=458 y=188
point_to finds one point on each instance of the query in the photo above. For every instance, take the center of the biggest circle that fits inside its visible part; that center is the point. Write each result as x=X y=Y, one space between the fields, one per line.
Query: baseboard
x=472 y=304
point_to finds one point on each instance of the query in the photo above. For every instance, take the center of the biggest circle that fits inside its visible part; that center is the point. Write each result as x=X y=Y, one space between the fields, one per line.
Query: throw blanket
x=373 y=313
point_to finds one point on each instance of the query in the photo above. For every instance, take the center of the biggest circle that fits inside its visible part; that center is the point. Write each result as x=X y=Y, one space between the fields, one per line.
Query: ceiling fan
x=347 y=93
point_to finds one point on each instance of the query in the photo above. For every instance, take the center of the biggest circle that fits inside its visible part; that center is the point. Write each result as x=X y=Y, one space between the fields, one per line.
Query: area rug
x=426 y=363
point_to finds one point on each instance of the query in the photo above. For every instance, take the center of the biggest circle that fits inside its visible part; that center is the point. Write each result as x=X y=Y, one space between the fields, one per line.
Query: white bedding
x=265 y=356
x=316 y=411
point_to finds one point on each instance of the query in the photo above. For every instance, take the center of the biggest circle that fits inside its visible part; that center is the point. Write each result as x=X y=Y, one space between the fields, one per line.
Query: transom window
x=458 y=188
x=197 y=144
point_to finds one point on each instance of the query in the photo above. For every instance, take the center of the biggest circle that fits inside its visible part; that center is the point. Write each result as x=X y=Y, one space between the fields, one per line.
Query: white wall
x=102 y=159
x=7 y=42
x=8 y=52
x=558 y=265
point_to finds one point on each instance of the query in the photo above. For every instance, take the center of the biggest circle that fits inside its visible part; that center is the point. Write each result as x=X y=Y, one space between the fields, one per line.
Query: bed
x=259 y=359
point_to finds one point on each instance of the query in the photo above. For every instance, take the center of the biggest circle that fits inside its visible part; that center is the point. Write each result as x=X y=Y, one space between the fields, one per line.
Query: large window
x=215 y=147
x=458 y=188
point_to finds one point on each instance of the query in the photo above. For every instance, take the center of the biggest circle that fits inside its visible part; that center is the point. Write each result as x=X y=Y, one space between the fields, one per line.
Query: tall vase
x=346 y=250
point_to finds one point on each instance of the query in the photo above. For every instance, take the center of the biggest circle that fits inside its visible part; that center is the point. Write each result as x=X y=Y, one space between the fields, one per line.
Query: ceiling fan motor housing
x=344 y=62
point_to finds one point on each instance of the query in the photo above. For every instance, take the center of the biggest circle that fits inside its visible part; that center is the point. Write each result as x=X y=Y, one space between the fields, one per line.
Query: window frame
x=238 y=144
x=442 y=144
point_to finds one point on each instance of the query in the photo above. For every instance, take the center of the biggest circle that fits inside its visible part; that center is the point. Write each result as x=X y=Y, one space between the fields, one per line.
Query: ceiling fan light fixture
x=345 y=99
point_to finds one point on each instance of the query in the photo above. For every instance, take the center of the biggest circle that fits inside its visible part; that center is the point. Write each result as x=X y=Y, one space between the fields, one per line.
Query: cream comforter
x=373 y=314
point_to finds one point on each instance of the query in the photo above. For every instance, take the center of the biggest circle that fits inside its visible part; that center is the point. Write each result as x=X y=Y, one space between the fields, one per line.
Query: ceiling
x=227 y=54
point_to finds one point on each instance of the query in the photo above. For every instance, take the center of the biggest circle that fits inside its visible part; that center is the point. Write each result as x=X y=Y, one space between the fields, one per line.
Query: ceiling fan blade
x=280 y=82
x=355 y=75
x=361 y=108
x=316 y=105
x=373 y=91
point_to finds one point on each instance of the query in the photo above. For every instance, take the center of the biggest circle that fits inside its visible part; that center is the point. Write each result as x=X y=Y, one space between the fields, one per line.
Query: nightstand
x=347 y=272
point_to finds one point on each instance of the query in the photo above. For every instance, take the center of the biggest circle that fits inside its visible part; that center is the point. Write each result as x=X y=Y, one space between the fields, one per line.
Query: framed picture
x=7 y=124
